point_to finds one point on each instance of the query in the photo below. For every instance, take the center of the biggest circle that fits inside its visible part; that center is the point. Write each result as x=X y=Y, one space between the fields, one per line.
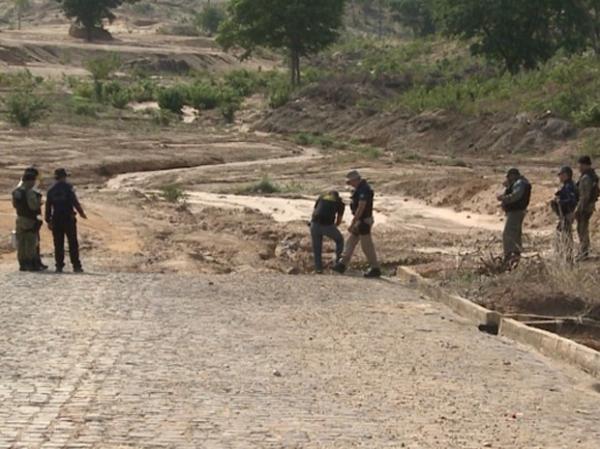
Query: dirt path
x=246 y=361
x=393 y=211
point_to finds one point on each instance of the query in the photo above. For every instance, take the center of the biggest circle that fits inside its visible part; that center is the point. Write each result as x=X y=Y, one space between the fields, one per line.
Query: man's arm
x=340 y=214
x=362 y=206
x=77 y=205
x=34 y=200
x=585 y=192
x=48 y=213
x=516 y=195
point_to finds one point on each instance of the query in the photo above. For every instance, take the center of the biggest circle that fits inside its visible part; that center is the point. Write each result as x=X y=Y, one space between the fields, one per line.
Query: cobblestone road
x=143 y=361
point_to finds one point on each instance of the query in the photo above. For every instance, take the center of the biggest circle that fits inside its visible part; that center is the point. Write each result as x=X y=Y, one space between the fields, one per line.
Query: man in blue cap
x=563 y=205
x=62 y=206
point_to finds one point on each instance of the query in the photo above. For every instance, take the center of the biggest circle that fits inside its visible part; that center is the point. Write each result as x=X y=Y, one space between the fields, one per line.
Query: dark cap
x=513 y=172
x=29 y=176
x=566 y=170
x=585 y=160
x=60 y=173
x=31 y=170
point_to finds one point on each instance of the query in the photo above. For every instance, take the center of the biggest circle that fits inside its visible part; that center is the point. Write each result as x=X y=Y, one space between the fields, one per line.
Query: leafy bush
x=279 y=94
x=24 y=108
x=84 y=90
x=172 y=99
x=244 y=82
x=120 y=99
x=209 y=19
x=143 y=90
x=228 y=111
x=83 y=106
x=102 y=68
x=203 y=96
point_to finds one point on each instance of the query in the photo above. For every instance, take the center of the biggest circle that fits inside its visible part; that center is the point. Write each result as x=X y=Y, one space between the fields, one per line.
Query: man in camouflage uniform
x=28 y=204
x=588 y=196
x=515 y=201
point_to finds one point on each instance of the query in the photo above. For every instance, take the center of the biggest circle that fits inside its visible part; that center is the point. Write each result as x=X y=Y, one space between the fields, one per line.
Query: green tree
x=91 y=13
x=521 y=34
x=301 y=27
x=209 y=19
x=415 y=14
x=21 y=6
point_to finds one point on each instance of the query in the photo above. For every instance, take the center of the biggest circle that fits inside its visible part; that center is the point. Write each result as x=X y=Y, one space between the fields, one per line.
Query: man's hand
x=500 y=197
x=83 y=215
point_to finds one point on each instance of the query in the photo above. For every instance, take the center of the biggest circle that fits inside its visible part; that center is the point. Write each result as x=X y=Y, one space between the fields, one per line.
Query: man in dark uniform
x=61 y=207
x=327 y=216
x=515 y=201
x=362 y=225
x=563 y=205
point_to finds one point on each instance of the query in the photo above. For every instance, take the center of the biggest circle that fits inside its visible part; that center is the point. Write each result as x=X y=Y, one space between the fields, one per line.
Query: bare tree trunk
x=295 y=67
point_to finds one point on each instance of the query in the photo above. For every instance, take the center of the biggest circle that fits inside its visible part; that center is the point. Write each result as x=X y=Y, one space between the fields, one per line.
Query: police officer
x=327 y=217
x=588 y=196
x=563 y=205
x=28 y=203
x=33 y=170
x=514 y=201
x=61 y=207
x=362 y=225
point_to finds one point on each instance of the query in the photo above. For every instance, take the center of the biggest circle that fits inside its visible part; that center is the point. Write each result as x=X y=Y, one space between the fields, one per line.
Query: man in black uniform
x=362 y=224
x=61 y=207
x=327 y=216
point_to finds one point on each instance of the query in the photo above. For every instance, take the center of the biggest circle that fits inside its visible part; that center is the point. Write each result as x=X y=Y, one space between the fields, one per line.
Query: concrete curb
x=461 y=306
x=552 y=345
x=548 y=343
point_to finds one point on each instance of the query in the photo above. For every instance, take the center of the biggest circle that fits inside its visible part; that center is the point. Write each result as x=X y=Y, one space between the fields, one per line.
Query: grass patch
x=172 y=193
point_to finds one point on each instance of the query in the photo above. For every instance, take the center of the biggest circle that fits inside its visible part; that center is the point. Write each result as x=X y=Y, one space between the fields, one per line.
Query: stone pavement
x=251 y=361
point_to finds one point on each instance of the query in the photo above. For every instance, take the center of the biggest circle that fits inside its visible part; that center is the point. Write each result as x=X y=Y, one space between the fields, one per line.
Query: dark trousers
x=60 y=229
x=319 y=231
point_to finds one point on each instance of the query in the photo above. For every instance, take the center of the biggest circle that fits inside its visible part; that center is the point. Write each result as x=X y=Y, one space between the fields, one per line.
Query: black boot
x=373 y=273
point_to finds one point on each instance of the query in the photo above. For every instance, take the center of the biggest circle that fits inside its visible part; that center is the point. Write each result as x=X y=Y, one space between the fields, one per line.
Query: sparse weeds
x=172 y=193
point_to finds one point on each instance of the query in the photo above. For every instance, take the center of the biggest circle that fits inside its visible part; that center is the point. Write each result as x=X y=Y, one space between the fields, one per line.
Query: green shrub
x=209 y=19
x=84 y=90
x=83 y=106
x=143 y=90
x=24 y=108
x=172 y=193
x=244 y=82
x=120 y=99
x=279 y=95
x=103 y=67
x=203 y=96
x=228 y=111
x=172 y=99
x=264 y=186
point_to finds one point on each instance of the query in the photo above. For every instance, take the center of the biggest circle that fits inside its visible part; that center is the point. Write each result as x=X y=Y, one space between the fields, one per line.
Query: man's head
x=513 y=175
x=60 y=174
x=353 y=178
x=30 y=176
x=565 y=174
x=585 y=163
